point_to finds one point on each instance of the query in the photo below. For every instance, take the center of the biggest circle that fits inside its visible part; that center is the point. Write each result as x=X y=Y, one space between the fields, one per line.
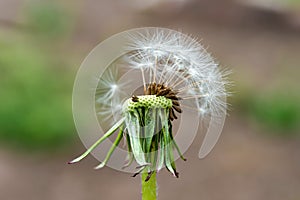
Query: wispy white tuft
x=167 y=57
x=110 y=95
x=180 y=62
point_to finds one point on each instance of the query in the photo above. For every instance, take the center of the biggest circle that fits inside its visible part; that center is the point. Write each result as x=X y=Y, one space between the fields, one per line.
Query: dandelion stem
x=149 y=187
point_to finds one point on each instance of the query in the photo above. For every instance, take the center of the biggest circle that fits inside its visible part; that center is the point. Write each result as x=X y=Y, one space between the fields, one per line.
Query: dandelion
x=176 y=73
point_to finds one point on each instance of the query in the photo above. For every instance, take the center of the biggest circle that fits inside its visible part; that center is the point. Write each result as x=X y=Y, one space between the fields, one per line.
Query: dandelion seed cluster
x=177 y=73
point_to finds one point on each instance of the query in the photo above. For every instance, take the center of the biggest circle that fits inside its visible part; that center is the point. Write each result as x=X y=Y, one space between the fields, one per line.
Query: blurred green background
x=36 y=80
x=42 y=44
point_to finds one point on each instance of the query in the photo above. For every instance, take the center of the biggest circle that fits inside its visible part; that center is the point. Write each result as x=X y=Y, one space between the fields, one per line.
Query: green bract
x=148 y=131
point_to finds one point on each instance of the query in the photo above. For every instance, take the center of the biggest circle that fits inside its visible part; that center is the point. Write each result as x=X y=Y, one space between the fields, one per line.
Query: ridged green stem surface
x=149 y=188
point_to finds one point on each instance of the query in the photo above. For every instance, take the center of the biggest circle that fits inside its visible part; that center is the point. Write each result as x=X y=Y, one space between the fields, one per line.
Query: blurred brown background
x=42 y=44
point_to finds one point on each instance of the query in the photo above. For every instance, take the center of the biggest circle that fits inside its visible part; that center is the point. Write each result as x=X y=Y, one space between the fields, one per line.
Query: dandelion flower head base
x=146 y=101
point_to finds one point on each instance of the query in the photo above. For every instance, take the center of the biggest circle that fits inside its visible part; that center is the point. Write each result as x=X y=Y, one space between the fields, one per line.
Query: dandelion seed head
x=173 y=65
x=181 y=63
x=177 y=73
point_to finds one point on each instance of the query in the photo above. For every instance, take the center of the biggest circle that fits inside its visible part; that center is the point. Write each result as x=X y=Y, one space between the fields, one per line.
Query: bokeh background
x=42 y=44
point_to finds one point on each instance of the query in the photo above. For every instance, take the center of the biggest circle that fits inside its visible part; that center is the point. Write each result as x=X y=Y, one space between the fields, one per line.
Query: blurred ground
x=244 y=165
x=257 y=156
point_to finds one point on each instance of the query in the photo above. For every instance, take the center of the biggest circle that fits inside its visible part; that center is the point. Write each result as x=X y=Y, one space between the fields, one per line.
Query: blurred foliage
x=35 y=103
x=293 y=2
x=279 y=111
x=48 y=19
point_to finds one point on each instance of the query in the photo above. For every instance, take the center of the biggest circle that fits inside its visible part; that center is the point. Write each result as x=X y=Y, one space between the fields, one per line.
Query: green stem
x=149 y=188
